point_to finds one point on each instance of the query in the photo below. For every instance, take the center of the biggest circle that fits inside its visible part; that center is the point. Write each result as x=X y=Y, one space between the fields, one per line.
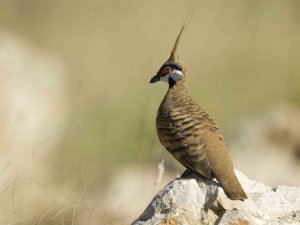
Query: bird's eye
x=167 y=70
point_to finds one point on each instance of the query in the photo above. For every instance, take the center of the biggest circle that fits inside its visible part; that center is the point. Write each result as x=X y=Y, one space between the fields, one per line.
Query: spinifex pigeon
x=189 y=133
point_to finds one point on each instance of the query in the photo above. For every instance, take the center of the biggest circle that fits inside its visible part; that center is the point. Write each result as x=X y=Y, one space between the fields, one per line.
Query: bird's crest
x=177 y=42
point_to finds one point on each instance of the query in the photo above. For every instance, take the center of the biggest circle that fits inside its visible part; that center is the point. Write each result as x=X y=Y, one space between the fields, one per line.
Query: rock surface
x=194 y=200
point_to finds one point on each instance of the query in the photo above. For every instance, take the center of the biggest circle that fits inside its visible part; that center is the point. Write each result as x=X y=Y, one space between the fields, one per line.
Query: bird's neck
x=178 y=86
x=177 y=95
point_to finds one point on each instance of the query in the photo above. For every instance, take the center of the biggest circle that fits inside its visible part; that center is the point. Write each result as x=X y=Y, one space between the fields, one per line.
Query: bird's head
x=172 y=70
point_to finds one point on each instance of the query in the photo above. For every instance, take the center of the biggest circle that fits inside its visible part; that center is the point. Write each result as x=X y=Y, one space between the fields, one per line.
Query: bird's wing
x=183 y=136
x=194 y=157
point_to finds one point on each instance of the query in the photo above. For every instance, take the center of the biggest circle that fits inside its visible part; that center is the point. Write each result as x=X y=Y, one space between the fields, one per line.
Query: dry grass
x=82 y=199
x=28 y=201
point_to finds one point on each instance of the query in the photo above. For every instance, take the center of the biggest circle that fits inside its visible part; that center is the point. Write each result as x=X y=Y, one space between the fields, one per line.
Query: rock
x=123 y=186
x=274 y=134
x=195 y=200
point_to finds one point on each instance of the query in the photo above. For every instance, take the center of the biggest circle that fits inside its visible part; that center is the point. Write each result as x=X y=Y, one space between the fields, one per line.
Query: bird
x=187 y=131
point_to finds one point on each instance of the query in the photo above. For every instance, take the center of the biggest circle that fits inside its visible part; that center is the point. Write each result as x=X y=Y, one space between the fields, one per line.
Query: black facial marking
x=175 y=66
x=172 y=65
x=171 y=82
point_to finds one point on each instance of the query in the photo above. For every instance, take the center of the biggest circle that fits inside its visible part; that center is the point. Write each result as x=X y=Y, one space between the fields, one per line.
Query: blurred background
x=78 y=143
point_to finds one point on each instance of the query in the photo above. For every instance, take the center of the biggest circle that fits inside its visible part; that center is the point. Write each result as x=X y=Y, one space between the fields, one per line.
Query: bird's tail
x=232 y=187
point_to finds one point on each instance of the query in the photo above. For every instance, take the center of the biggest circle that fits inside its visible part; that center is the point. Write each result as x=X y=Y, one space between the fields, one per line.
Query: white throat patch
x=175 y=75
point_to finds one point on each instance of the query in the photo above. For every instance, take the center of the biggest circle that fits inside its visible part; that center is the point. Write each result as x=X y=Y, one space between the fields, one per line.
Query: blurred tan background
x=78 y=143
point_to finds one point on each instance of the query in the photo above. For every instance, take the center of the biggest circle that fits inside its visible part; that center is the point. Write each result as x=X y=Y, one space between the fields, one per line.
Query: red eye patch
x=167 y=70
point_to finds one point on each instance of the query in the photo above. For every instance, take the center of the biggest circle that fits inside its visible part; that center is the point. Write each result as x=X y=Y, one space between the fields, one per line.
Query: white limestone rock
x=194 y=200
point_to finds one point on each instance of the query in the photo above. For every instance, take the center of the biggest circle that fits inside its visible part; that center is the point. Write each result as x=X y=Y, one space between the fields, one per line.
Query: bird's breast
x=175 y=126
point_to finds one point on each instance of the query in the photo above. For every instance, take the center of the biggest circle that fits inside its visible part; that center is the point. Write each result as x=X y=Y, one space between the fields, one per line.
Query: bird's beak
x=155 y=79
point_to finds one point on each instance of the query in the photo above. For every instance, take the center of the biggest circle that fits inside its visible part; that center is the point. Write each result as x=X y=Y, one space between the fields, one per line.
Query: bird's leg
x=186 y=173
x=189 y=172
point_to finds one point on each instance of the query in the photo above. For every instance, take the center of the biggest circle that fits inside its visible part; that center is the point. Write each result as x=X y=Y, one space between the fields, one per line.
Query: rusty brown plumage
x=189 y=133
